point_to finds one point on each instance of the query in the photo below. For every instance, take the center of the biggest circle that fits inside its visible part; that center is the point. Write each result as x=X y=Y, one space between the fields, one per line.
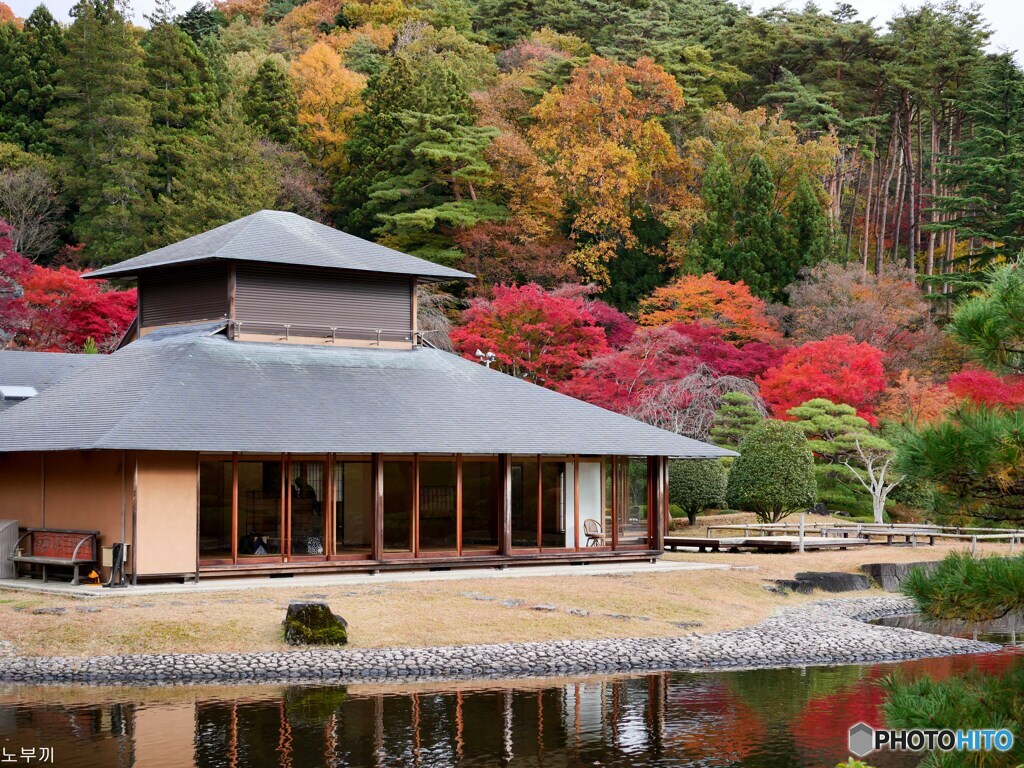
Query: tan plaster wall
x=84 y=491
x=21 y=488
x=167 y=513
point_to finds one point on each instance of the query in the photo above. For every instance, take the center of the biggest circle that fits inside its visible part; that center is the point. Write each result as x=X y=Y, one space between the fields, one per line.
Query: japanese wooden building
x=275 y=409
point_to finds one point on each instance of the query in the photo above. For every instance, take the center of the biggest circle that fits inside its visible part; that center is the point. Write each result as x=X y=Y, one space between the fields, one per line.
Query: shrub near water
x=696 y=484
x=969 y=588
x=774 y=475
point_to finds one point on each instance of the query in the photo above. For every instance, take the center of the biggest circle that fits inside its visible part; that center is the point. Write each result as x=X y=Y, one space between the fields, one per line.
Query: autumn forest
x=737 y=226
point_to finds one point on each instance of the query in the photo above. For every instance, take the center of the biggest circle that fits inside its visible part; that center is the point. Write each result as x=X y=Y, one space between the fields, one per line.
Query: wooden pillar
x=286 y=507
x=540 y=503
x=616 y=491
x=458 y=503
x=414 y=528
x=505 y=464
x=576 y=501
x=328 y=506
x=377 y=545
x=234 y=508
x=656 y=497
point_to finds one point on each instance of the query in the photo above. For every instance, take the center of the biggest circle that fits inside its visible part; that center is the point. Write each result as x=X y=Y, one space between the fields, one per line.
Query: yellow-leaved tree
x=329 y=98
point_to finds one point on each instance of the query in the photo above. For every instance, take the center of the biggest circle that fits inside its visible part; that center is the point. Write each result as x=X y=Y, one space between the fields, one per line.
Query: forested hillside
x=530 y=140
x=677 y=209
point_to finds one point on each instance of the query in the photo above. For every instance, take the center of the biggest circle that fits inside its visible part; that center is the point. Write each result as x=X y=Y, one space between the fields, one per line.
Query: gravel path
x=823 y=632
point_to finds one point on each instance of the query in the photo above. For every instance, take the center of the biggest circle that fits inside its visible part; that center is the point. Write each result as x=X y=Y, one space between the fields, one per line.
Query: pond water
x=1008 y=630
x=789 y=718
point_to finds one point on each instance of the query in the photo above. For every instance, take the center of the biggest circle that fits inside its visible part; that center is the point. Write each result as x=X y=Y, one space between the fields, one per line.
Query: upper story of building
x=276 y=276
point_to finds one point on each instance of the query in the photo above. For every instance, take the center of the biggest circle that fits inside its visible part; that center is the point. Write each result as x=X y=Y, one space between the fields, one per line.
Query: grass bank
x=453 y=612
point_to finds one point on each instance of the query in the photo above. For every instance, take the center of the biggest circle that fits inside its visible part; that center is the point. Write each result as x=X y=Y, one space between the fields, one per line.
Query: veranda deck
x=762 y=543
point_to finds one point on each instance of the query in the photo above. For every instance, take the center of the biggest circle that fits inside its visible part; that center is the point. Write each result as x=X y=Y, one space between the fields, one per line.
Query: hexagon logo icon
x=862 y=739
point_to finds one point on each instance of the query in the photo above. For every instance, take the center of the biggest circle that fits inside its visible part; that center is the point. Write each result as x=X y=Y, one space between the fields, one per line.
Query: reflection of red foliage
x=823 y=726
x=713 y=723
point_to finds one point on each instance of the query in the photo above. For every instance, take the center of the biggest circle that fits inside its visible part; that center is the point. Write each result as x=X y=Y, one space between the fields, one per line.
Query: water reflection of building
x=301 y=727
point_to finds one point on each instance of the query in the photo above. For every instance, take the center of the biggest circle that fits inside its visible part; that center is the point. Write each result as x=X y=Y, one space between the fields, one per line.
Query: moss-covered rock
x=313 y=623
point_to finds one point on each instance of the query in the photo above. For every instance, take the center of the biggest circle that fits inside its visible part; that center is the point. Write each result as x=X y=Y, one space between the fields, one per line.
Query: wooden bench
x=48 y=547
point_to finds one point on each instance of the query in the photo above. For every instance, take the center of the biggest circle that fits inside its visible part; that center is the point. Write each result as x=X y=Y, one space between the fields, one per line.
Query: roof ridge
x=248 y=222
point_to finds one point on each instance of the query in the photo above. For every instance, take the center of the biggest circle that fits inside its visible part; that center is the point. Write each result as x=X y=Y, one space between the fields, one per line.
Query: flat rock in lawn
x=313 y=623
x=47 y=611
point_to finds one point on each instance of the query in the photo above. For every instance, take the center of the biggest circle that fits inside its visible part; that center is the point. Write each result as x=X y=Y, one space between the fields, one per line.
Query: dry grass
x=435 y=612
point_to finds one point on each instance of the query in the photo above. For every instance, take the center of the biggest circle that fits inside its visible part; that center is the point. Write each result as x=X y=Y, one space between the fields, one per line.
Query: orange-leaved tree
x=613 y=161
x=710 y=301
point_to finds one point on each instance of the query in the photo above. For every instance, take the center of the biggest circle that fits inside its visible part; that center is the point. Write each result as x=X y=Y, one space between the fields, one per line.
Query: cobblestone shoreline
x=823 y=632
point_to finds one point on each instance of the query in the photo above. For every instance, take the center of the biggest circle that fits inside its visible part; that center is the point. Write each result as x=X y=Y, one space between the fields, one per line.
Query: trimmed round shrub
x=774 y=475
x=696 y=484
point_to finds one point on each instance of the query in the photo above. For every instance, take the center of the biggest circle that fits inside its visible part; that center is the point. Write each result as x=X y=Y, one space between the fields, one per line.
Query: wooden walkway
x=762 y=543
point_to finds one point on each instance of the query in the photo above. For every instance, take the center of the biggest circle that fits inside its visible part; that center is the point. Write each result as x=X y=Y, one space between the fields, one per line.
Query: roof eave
x=113 y=273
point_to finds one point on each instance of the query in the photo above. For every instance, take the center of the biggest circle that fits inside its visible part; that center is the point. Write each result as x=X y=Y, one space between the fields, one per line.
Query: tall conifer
x=102 y=127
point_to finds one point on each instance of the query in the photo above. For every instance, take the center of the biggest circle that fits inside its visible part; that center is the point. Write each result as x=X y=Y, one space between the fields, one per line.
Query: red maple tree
x=618 y=379
x=532 y=333
x=836 y=368
x=986 y=388
x=55 y=310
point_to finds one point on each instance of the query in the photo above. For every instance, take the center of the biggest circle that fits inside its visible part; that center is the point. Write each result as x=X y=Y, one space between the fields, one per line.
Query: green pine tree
x=809 y=237
x=805 y=105
x=987 y=174
x=270 y=106
x=102 y=126
x=223 y=178
x=736 y=416
x=438 y=165
x=29 y=59
x=369 y=149
x=756 y=258
x=715 y=238
x=833 y=430
x=200 y=21
x=180 y=89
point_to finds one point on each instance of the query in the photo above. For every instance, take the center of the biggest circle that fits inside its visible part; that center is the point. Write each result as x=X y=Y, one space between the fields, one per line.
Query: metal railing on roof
x=334 y=332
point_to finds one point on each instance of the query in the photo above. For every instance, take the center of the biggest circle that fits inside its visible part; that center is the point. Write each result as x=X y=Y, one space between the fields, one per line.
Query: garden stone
x=313 y=623
x=47 y=611
x=834 y=581
x=890 y=576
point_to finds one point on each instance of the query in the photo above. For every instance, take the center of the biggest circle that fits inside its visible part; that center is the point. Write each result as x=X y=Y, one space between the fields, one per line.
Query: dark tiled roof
x=278 y=237
x=39 y=370
x=201 y=392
